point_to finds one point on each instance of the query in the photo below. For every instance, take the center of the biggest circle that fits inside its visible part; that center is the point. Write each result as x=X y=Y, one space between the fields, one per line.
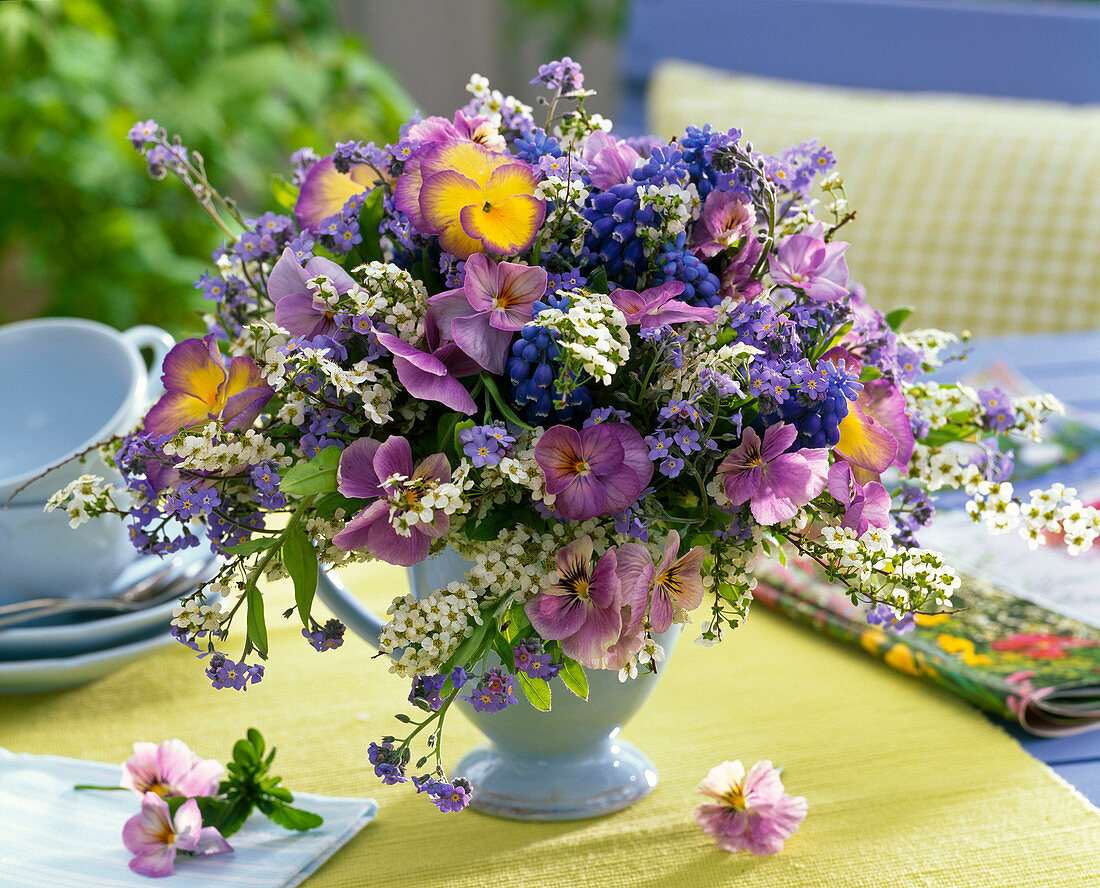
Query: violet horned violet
x=611 y=373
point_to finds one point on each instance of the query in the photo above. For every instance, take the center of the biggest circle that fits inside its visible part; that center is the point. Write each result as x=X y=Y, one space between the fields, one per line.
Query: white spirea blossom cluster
x=429 y=629
x=88 y=495
x=675 y=206
x=1056 y=510
x=209 y=448
x=650 y=655
x=391 y=296
x=593 y=333
x=930 y=341
x=194 y=615
x=518 y=470
x=701 y=358
x=417 y=500
x=489 y=101
x=908 y=579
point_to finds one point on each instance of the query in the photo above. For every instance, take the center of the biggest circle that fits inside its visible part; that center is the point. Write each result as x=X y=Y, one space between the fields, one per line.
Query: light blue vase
x=564 y=764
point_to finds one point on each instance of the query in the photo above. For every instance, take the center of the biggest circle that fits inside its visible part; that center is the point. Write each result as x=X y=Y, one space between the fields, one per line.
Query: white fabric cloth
x=51 y=834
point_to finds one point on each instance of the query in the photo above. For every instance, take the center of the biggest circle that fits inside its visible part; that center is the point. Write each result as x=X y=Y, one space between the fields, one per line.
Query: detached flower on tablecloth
x=751 y=812
x=170 y=769
x=155 y=837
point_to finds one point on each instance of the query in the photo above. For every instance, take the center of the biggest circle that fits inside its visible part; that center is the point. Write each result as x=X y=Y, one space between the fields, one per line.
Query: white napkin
x=51 y=834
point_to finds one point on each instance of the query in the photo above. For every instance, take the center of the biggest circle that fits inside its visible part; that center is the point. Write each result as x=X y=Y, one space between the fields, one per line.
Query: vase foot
x=520 y=788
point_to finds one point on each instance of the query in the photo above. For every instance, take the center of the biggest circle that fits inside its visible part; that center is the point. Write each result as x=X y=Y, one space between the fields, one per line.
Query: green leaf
x=245 y=753
x=508 y=412
x=300 y=561
x=458 y=427
x=597 y=281
x=293 y=818
x=251 y=547
x=255 y=623
x=316 y=476
x=896 y=317
x=327 y=505
x=486 y=529
x=370 y=217
x=257 y=741
x=232 y=816
x=285 y=194
x=572 y=674
x=536 y=690
x=868 y=373
x=464 y=652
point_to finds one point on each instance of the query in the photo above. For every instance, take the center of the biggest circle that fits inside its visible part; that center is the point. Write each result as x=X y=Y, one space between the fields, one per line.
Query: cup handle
x=353 y=613
x=161 y=342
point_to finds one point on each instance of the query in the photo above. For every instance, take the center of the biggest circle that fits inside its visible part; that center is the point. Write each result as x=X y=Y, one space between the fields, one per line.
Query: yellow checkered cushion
x=984 y=214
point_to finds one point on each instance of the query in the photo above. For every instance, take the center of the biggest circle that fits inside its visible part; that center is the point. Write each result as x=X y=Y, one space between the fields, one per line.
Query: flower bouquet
x=611 y=373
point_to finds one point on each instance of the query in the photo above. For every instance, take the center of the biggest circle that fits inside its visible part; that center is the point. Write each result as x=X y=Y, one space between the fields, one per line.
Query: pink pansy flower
x=677 y=586
x=325 y=190
x=155 y=838
x=596 y=471
x=876 y=433
x=727 y=217
x=496 y=300
x=737 y=280
x=433 y=375
x=170 y=769
x=609 y=160
x=775 y=483
x=806 y=261
x=367 y=469
x=199 y=387
x=865 y=505
x=468 y=129
x=297 y=309
x=635 y=569
x=582 y=610
x=658 y=306
x=751 y=812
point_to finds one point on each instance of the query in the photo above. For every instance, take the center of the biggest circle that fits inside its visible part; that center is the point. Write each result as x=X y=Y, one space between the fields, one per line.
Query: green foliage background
x=83 y=231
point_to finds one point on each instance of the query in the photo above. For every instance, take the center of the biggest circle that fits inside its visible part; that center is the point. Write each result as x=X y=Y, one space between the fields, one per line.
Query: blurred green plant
x=246 y=82
x=556 y=24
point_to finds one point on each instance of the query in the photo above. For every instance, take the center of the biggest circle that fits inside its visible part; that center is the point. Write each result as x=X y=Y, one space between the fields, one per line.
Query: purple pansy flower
x=494 y=302
x=806 y=261
x=677 y=584
x=366 y=467
x=775 y=483
x=325 y=190
x=432 y=375
x=865 y=505
x=727 y=217
x=597 y=471
x=658 y=306
x=737 y=280
x=297 y=309
x=582 y=609
x=610 y=161
x=635 y=571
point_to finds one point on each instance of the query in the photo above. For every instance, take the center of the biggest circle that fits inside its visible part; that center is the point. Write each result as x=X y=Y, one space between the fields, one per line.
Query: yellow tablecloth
x=907 y=786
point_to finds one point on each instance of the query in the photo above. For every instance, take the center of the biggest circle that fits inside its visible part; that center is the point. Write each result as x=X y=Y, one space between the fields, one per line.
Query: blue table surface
x=1066 y=365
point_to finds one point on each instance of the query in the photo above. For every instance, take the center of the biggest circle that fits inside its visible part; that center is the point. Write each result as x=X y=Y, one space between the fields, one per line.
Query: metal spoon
x=145 y=593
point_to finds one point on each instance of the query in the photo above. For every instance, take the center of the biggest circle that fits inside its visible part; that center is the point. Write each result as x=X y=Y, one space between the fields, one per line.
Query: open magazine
x=1025 y=640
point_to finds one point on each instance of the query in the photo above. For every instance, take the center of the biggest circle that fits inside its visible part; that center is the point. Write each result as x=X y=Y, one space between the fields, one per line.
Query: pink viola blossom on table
x=612 y=374
x=156 y=838
x=170 y=769
x=750 y=811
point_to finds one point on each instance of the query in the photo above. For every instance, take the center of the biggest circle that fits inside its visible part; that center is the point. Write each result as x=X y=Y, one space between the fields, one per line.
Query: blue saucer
x=70 y=634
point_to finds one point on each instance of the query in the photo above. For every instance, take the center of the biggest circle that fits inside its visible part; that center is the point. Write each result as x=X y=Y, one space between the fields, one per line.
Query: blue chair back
x=1026 y=49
